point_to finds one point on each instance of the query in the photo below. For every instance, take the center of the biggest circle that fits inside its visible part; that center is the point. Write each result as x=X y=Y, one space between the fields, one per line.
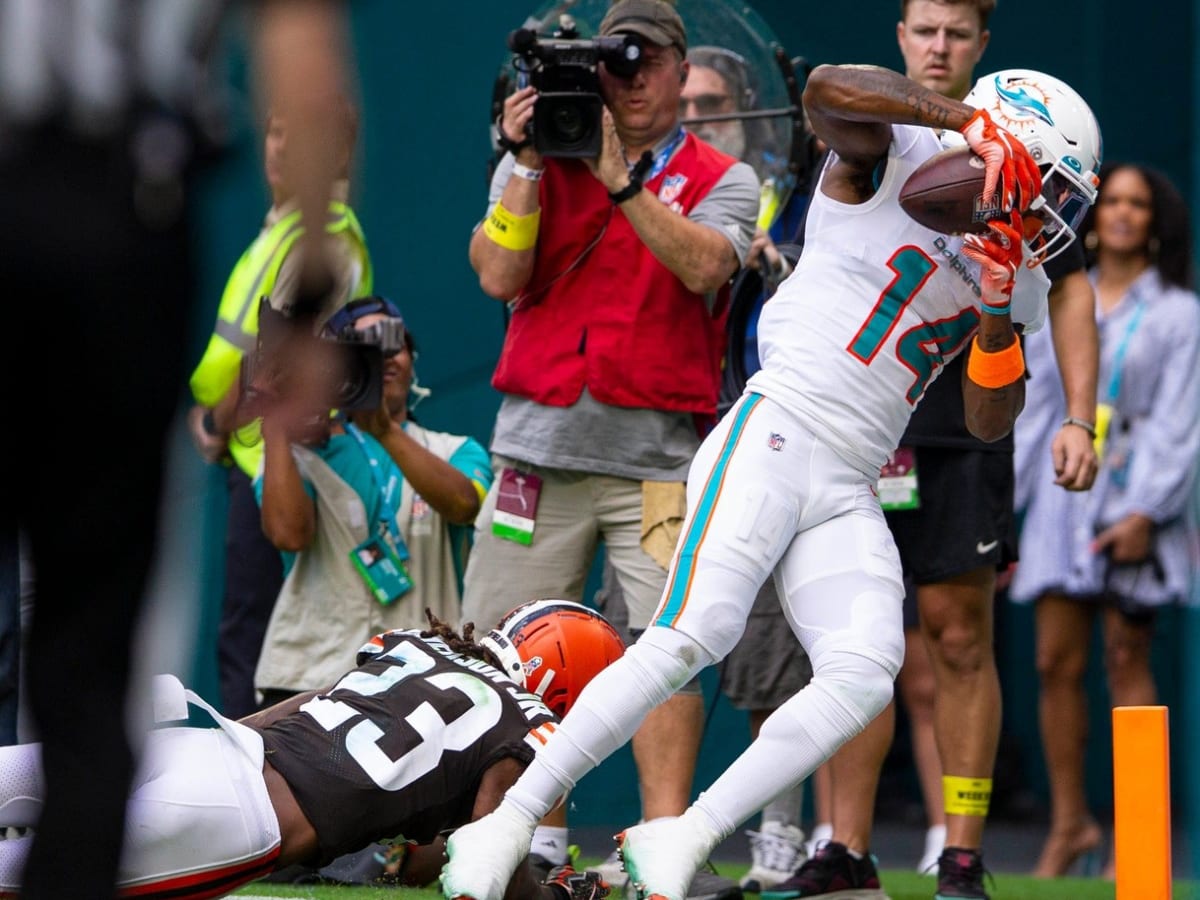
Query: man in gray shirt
x=615 y=269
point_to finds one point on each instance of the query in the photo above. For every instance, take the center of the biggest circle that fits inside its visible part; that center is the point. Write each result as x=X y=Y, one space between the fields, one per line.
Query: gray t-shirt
x=590 y=436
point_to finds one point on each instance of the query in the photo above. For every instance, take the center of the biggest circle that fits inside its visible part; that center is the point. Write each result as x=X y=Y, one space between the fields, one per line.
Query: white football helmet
x=553 y=648
x=1061 y=134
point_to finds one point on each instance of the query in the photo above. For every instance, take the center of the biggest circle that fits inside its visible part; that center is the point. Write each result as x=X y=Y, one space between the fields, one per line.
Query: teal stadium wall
x=426 y=73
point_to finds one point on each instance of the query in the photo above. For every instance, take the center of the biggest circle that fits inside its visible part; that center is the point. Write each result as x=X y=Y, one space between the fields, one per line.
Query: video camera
x=563 y=68
x=353 y=372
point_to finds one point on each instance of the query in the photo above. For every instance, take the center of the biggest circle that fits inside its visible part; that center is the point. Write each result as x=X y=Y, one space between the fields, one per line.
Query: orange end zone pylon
x=1142 y=802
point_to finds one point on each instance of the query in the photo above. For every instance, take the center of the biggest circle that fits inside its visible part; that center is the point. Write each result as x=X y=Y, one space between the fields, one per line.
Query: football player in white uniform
x=785 y=486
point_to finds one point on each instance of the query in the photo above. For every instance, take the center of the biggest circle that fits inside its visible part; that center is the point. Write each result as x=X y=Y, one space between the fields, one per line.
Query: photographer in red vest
x=615 y=268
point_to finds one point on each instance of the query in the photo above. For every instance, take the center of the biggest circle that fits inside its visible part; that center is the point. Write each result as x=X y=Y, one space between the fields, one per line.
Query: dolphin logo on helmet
x=1023 y=101
x=1059 y=130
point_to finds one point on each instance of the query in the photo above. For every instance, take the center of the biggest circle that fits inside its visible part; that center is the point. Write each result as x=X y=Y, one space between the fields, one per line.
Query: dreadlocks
x=464 y=643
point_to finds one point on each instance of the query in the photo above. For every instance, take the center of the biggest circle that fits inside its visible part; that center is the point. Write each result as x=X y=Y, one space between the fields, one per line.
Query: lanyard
x=387 y=507
x=1114 y=380
x=664 y=156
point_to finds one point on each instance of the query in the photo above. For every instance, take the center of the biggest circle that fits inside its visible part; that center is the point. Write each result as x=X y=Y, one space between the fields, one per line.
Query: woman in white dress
x=1125 y=548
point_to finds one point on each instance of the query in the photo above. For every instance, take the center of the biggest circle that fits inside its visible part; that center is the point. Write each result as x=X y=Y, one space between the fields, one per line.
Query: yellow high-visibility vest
x=236 y=331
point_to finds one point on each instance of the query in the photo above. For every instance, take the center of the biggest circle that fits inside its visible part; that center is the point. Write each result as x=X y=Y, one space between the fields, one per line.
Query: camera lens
x=357 y=383
x=569 y=123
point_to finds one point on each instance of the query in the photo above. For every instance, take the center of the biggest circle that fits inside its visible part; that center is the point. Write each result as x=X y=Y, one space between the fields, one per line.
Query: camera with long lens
x=352 y=373
x=564 y=69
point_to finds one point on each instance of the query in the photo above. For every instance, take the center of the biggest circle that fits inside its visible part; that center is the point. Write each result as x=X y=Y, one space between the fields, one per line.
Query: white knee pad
x=857 y=688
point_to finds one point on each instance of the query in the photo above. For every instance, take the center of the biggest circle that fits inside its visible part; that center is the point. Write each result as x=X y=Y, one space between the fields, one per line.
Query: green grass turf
x=899 y=885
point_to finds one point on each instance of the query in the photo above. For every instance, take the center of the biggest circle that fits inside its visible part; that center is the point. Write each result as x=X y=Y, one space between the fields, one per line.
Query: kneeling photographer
x=371 y=511
x=614 y=257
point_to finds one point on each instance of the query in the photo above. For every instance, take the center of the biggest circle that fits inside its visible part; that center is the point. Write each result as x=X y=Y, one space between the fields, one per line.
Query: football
x=945 y=193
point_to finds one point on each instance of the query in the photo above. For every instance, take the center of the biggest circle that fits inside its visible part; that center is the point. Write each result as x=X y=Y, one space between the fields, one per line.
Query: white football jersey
x=876 y=307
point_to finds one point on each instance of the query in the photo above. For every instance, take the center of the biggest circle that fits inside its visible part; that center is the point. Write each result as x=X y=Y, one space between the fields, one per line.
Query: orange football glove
x=1009 y=167
x=999 y=256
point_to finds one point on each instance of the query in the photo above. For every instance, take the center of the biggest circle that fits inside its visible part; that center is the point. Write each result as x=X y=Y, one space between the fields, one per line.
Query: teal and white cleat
x=484 y=854
x=663 y=855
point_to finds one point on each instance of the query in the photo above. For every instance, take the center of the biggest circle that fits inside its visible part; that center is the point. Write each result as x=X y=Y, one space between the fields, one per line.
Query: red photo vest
x=619 y=321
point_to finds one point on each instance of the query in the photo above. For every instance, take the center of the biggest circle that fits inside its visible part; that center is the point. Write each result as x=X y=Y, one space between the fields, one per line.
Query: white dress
x=1150 y=364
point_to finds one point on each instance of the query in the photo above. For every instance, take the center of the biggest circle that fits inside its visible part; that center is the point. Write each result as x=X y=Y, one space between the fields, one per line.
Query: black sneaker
x=960 y=875
x=832 y=873
x=364 y=866
x=709 y=885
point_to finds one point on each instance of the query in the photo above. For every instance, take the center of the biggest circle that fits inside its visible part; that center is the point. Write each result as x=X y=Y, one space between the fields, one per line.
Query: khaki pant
x=576 y=511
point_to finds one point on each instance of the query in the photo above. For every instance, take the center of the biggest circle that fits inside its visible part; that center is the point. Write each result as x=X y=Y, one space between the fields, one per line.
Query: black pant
x=253 y=577
x=98 y=302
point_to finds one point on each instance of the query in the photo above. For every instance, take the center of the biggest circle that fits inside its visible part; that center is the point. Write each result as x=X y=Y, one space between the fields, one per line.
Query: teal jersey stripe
x=681 y=578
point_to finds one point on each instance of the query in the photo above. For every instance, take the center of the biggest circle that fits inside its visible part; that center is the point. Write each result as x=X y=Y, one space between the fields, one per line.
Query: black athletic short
x=965 y=519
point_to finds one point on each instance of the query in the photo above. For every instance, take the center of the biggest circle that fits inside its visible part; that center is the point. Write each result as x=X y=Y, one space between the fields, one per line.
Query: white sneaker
x=662 y=856
x=613 y=872
x=822 y=832
x=775 y=853
x=935 y=842
x=484 y=854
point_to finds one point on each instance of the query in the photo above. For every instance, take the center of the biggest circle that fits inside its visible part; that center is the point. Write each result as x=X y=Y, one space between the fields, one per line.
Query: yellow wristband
x=1104 y=414
x=995 y=370
x=512 y=232
x=966 y=796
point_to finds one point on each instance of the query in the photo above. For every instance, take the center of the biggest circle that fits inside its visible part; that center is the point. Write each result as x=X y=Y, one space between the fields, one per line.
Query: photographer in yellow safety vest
x=272 y=267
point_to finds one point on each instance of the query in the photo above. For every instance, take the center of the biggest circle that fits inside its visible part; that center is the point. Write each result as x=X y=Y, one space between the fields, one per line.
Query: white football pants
x=765 y=498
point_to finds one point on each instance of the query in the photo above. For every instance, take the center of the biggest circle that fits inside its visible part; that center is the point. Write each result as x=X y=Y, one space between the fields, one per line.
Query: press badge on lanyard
x=382 y=568
x=516 y=506
x=898 y=481
x=380 y=558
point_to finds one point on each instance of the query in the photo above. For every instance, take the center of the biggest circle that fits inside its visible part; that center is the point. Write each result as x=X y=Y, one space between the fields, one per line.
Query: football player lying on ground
x=424 y=736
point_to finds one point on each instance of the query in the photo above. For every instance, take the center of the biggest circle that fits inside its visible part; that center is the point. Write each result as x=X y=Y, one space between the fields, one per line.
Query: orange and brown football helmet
x=553 y=648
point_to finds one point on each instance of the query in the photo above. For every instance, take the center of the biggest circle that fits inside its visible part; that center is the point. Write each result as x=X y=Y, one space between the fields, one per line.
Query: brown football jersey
x=397 y=749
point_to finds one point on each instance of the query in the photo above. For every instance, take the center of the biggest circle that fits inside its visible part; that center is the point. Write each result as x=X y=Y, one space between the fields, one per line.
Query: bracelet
x=995 y=370
x=510 y=231
x=527 y=173
x=1004 y=310
x=1082 y=423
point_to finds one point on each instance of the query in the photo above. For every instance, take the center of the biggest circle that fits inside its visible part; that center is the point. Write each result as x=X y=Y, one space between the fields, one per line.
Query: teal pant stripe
x=681 y=579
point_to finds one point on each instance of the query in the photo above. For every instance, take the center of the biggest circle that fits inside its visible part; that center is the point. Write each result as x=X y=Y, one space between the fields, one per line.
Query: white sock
x=785 y=809
x=822 y=831
x=550 y=842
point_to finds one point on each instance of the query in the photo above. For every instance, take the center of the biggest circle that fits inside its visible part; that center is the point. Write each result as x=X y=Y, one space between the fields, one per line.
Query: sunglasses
x=705 y=104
